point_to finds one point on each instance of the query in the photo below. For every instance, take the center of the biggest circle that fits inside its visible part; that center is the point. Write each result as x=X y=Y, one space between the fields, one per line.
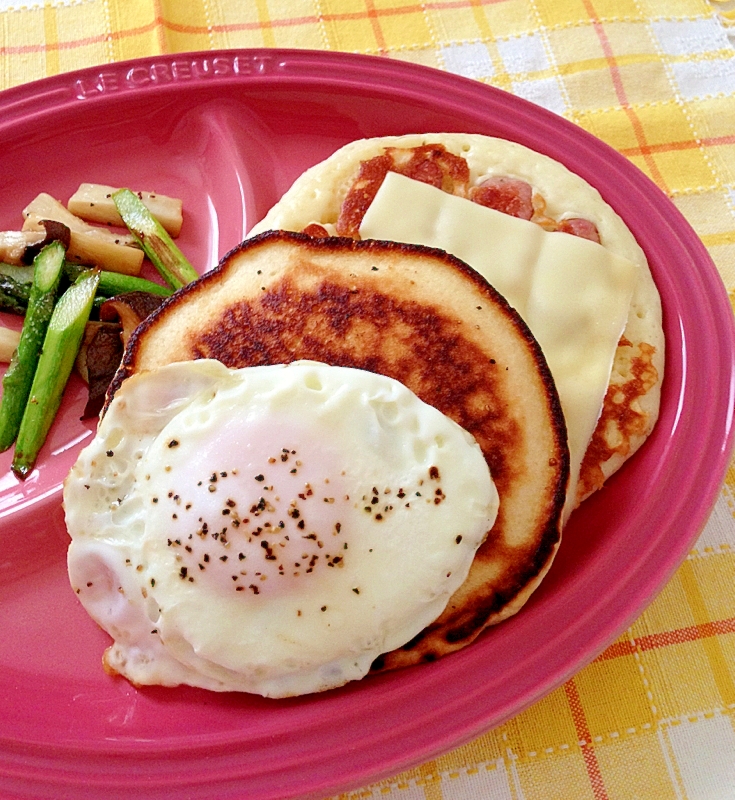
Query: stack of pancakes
x=429 y=320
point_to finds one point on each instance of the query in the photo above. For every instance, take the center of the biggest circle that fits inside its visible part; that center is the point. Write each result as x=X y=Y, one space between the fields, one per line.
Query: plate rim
x=31 y=99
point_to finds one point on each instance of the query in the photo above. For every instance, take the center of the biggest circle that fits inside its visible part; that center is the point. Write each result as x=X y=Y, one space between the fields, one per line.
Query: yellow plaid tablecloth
x=653 y=717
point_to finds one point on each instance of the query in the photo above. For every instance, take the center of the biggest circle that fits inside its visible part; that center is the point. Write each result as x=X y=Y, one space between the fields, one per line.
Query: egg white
x=271 y=529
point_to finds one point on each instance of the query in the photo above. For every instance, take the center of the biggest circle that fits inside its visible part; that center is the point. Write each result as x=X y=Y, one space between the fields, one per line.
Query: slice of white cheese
x=573 y=294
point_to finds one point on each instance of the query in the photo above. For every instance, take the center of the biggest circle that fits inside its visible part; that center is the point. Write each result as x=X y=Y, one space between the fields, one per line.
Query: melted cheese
x=573 y=294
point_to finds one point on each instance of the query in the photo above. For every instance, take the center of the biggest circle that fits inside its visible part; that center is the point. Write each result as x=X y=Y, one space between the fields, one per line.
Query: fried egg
x=270 y=529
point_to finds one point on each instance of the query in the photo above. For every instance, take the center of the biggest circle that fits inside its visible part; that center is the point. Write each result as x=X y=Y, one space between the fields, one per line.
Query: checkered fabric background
x=654 y=716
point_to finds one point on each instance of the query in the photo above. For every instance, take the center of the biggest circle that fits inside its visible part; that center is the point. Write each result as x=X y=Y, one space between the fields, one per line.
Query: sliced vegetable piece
x=16 y=289
x=11 y=296
x=130 y=309
x=55 y=231
x=97 y=362
x=60 y=346
x=44 y=206
x=113 y=283
x=20 y=273
x=93 y=201
x=13 y=244
x=19 y=377
x=9 y=339
x=157 y=244
x=89 y=248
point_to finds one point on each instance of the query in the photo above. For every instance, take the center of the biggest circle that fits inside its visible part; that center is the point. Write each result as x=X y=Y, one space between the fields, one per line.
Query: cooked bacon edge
x=435 y=165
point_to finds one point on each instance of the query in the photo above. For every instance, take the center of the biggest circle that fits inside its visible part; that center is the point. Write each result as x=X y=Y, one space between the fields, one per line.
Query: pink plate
x=228 y=132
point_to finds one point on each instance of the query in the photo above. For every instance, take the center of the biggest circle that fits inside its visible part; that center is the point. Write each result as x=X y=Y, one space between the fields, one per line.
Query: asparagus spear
x=11 y=303
x=63 y=337
x=14 y=294
x=113 y=283
x=152 y=237
x=18 y=378
x=19 y=273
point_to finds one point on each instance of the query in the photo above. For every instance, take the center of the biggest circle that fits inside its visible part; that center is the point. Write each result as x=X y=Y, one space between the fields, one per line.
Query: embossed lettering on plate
x=183 y=68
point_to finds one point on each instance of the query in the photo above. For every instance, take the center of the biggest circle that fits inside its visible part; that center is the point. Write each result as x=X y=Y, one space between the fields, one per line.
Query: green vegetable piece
x=18 y=378
x=152 y=237
x=11 y=304
x=20 y=274
x=112 y=283
x=18 y=290
x=60 y=348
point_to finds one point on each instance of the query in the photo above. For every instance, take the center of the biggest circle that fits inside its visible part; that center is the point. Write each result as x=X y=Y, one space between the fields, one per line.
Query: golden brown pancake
x=426 y=319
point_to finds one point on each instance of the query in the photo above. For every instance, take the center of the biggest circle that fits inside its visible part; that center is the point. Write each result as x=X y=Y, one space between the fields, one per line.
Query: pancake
x=420 y=316
x=331 y=196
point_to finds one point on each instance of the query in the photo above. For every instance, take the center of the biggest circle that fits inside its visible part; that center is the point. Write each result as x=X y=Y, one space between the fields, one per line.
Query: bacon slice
x=580 y=227
x=316 y=231
x=433 y=164
x=508 y=195
x=429 y=163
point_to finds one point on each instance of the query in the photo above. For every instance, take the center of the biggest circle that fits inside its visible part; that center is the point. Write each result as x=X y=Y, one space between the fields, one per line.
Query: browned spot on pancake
x=620 y=420
x=340 y=325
